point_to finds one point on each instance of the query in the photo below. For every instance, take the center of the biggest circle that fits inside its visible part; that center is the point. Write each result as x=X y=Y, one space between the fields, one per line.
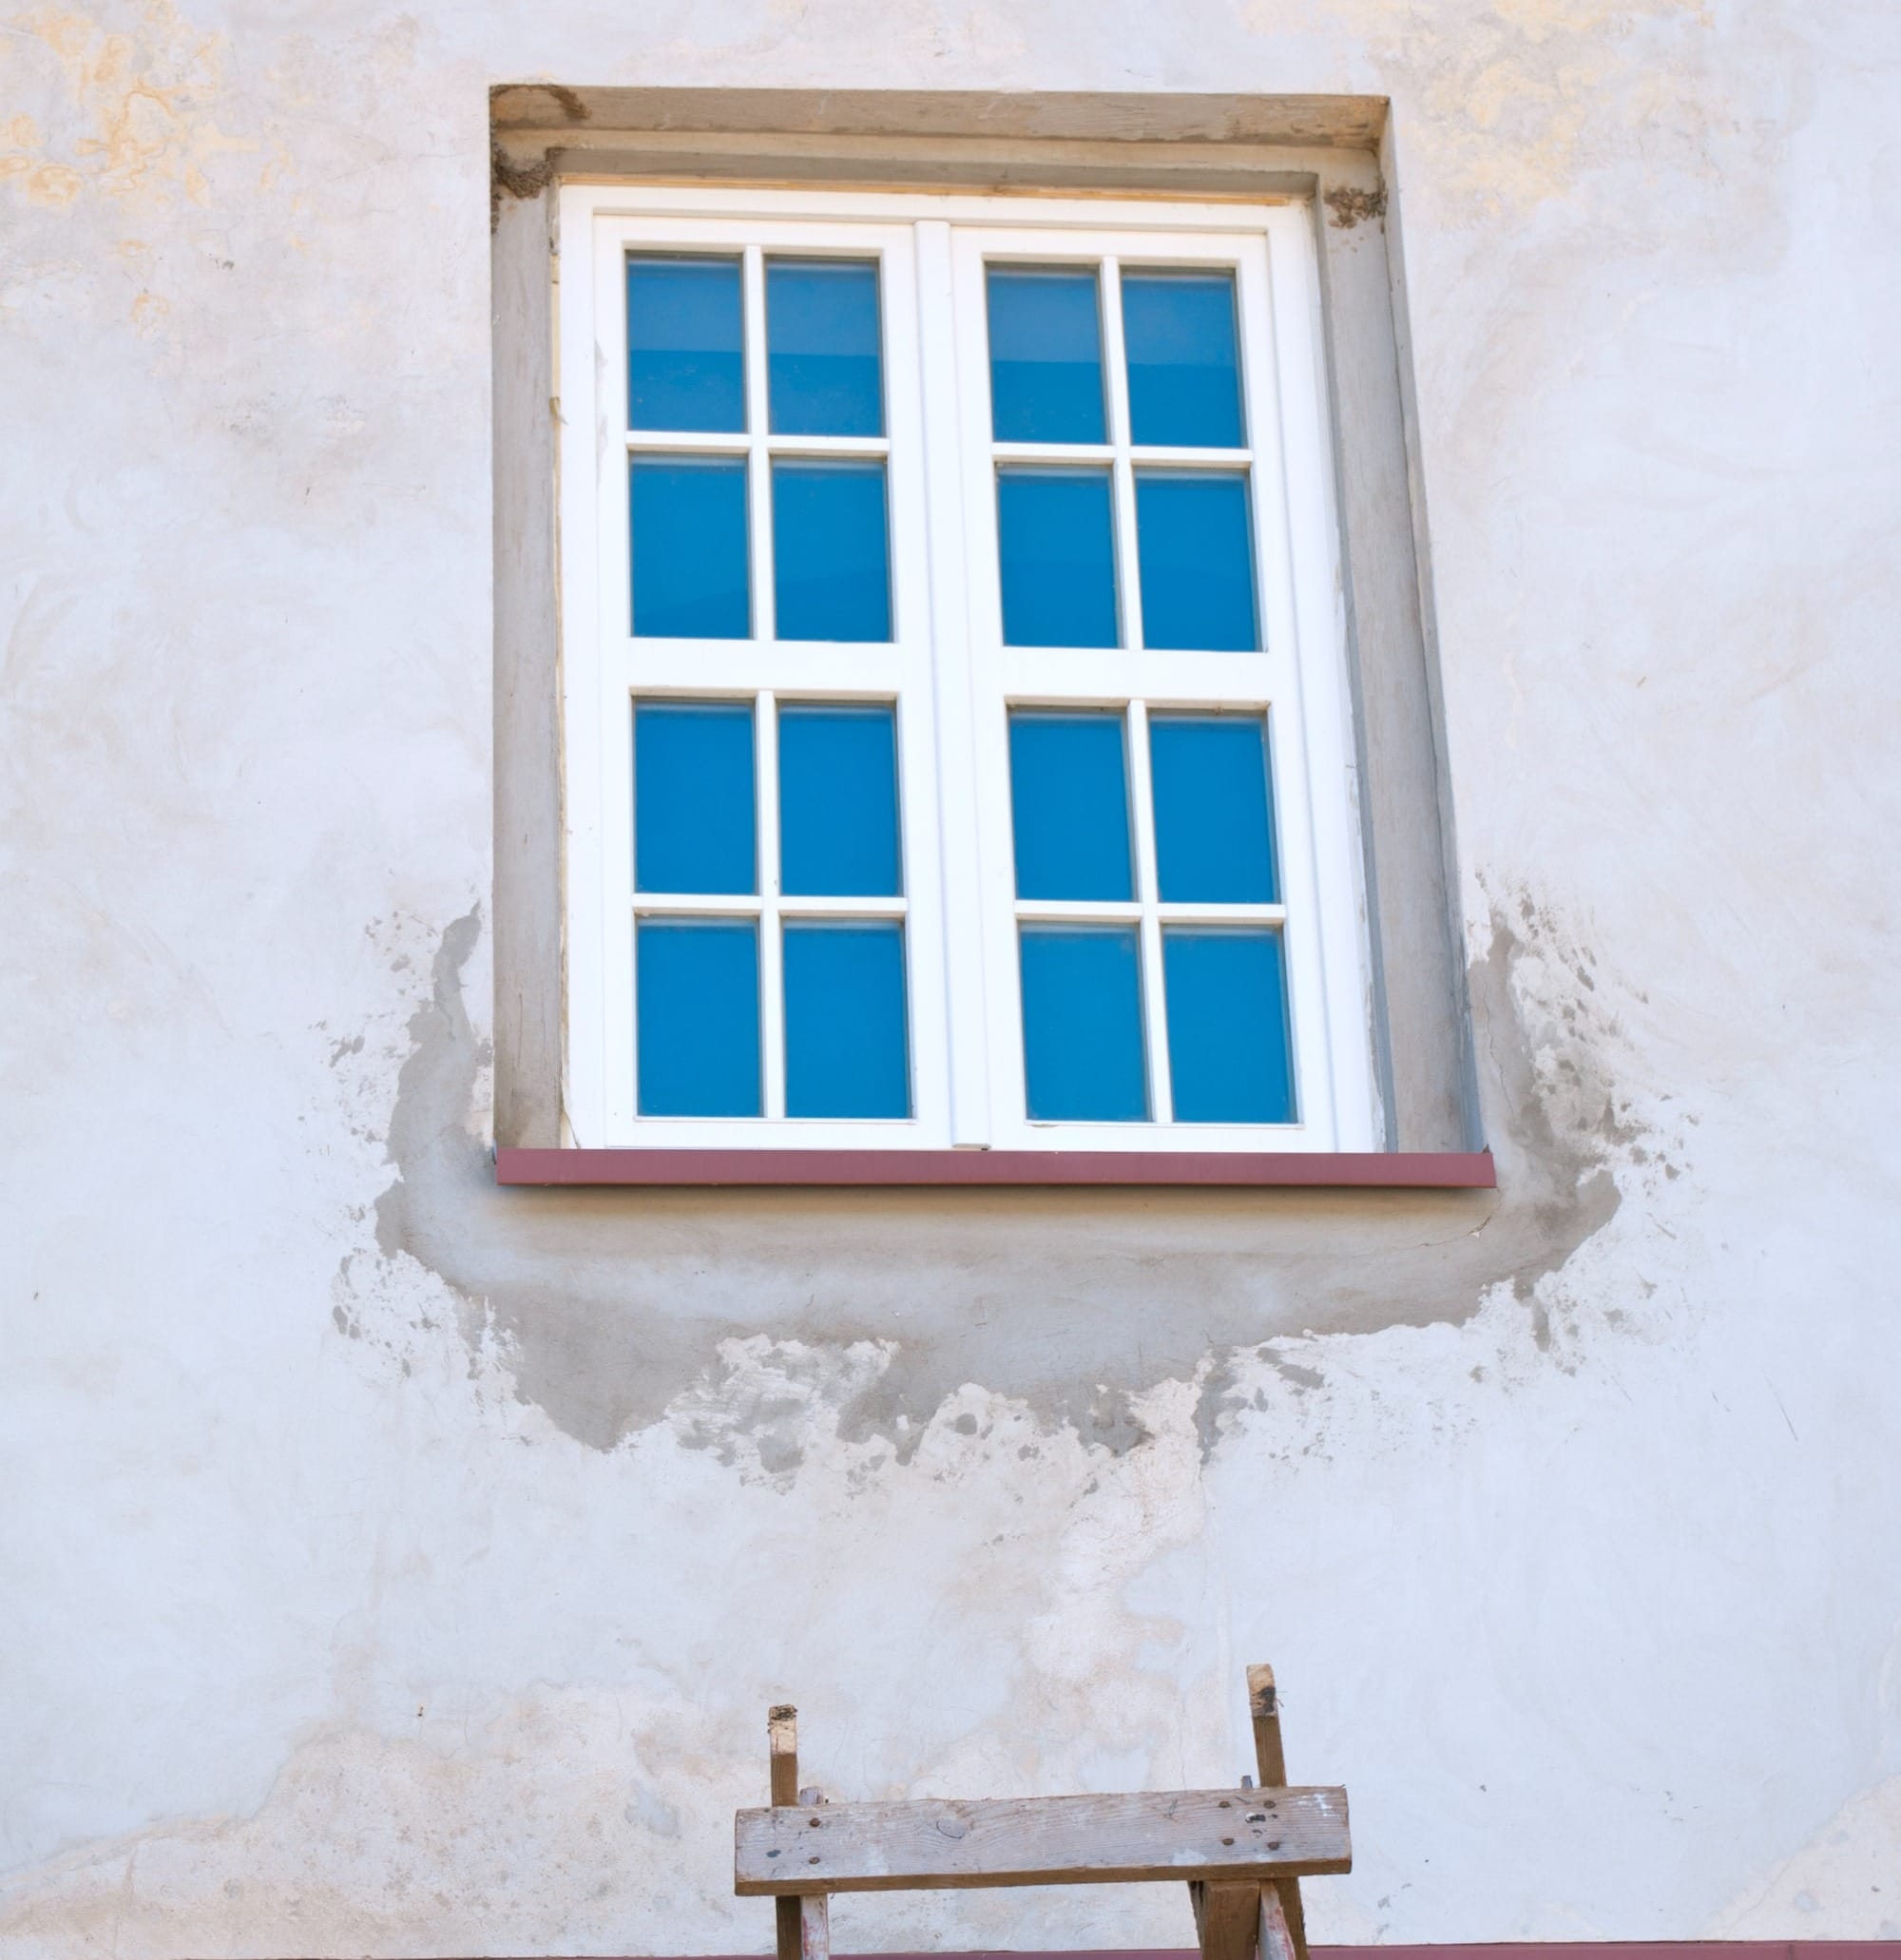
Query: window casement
x=956 y=745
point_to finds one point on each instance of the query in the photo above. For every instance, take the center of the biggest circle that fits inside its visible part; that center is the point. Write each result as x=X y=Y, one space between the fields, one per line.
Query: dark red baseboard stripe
x=1380 y=1170
x=1506 y=1949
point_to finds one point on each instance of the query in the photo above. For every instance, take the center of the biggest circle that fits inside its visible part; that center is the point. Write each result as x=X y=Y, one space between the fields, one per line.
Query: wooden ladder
x=1243 y=1852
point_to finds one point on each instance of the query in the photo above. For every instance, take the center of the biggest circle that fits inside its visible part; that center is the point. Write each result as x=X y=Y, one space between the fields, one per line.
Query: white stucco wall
x=356 y=1600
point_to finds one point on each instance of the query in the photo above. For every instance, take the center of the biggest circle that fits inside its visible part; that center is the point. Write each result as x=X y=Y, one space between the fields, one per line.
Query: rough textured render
x=400 y=1566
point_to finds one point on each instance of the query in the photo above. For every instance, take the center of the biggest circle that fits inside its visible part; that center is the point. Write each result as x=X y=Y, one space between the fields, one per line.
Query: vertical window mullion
x=1128 y=565
x=758 y=457
x=772 y=950
x=963 y=928
x=984 y=797
x=1154 y=1006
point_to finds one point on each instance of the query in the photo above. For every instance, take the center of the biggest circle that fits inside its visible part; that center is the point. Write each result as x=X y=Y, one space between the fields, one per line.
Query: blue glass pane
x=1046 y=354
x=845 y=1051
x=1184 y=374
x=831 y=564
x=1057 y=556
x=1214 y=841
x=823 y=341
x=1082 y=1025
x=1069 y=805
x=686 y=361
x=1227 y=1026
x=1196 y=561
x=688 y=519
x=698 y=987
x=693 y=796
x=837 y=802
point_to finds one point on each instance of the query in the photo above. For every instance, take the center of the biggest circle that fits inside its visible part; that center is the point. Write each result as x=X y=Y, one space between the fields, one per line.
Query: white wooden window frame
x=947 y=669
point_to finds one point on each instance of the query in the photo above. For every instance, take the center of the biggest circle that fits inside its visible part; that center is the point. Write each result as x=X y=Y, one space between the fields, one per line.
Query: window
x=956 y=745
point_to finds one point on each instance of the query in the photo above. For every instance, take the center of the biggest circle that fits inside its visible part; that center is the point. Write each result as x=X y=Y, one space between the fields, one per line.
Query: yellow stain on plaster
x=1508 y=102
x=149 y=314
x=142 y=127
x=22 y=164
x=276 y=163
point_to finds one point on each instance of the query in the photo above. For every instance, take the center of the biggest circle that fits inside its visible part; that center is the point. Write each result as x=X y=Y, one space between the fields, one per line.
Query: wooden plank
x=1270 y=1759
x=1271 y=1766
x=814 y=1909
x=814 y=1925
x=782 y=1747
x=782 y=1753
x=1275 y=1938
x=1140 y=1838
x=1227 y=1918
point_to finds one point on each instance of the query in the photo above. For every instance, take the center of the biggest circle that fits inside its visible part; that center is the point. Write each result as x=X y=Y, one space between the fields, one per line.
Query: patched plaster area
x=997 y=1580
x=1851 y=1872
x=548 y=1695
x=605 y=1305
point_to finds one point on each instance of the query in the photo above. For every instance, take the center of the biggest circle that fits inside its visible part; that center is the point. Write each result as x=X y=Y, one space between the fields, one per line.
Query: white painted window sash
x=1319 y=913
x=951 y=679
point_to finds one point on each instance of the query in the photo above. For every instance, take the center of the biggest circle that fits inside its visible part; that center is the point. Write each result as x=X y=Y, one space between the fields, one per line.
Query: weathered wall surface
x=397 y=1565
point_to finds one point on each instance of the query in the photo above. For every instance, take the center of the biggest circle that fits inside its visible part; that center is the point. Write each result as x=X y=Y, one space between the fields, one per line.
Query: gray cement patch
x=608 y=1303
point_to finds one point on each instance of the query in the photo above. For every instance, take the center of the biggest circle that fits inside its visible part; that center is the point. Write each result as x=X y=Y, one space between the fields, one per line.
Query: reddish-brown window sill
x=1378 y=1170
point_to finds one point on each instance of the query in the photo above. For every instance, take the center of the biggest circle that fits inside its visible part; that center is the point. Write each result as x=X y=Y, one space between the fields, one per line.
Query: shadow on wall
x=605 y=1305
